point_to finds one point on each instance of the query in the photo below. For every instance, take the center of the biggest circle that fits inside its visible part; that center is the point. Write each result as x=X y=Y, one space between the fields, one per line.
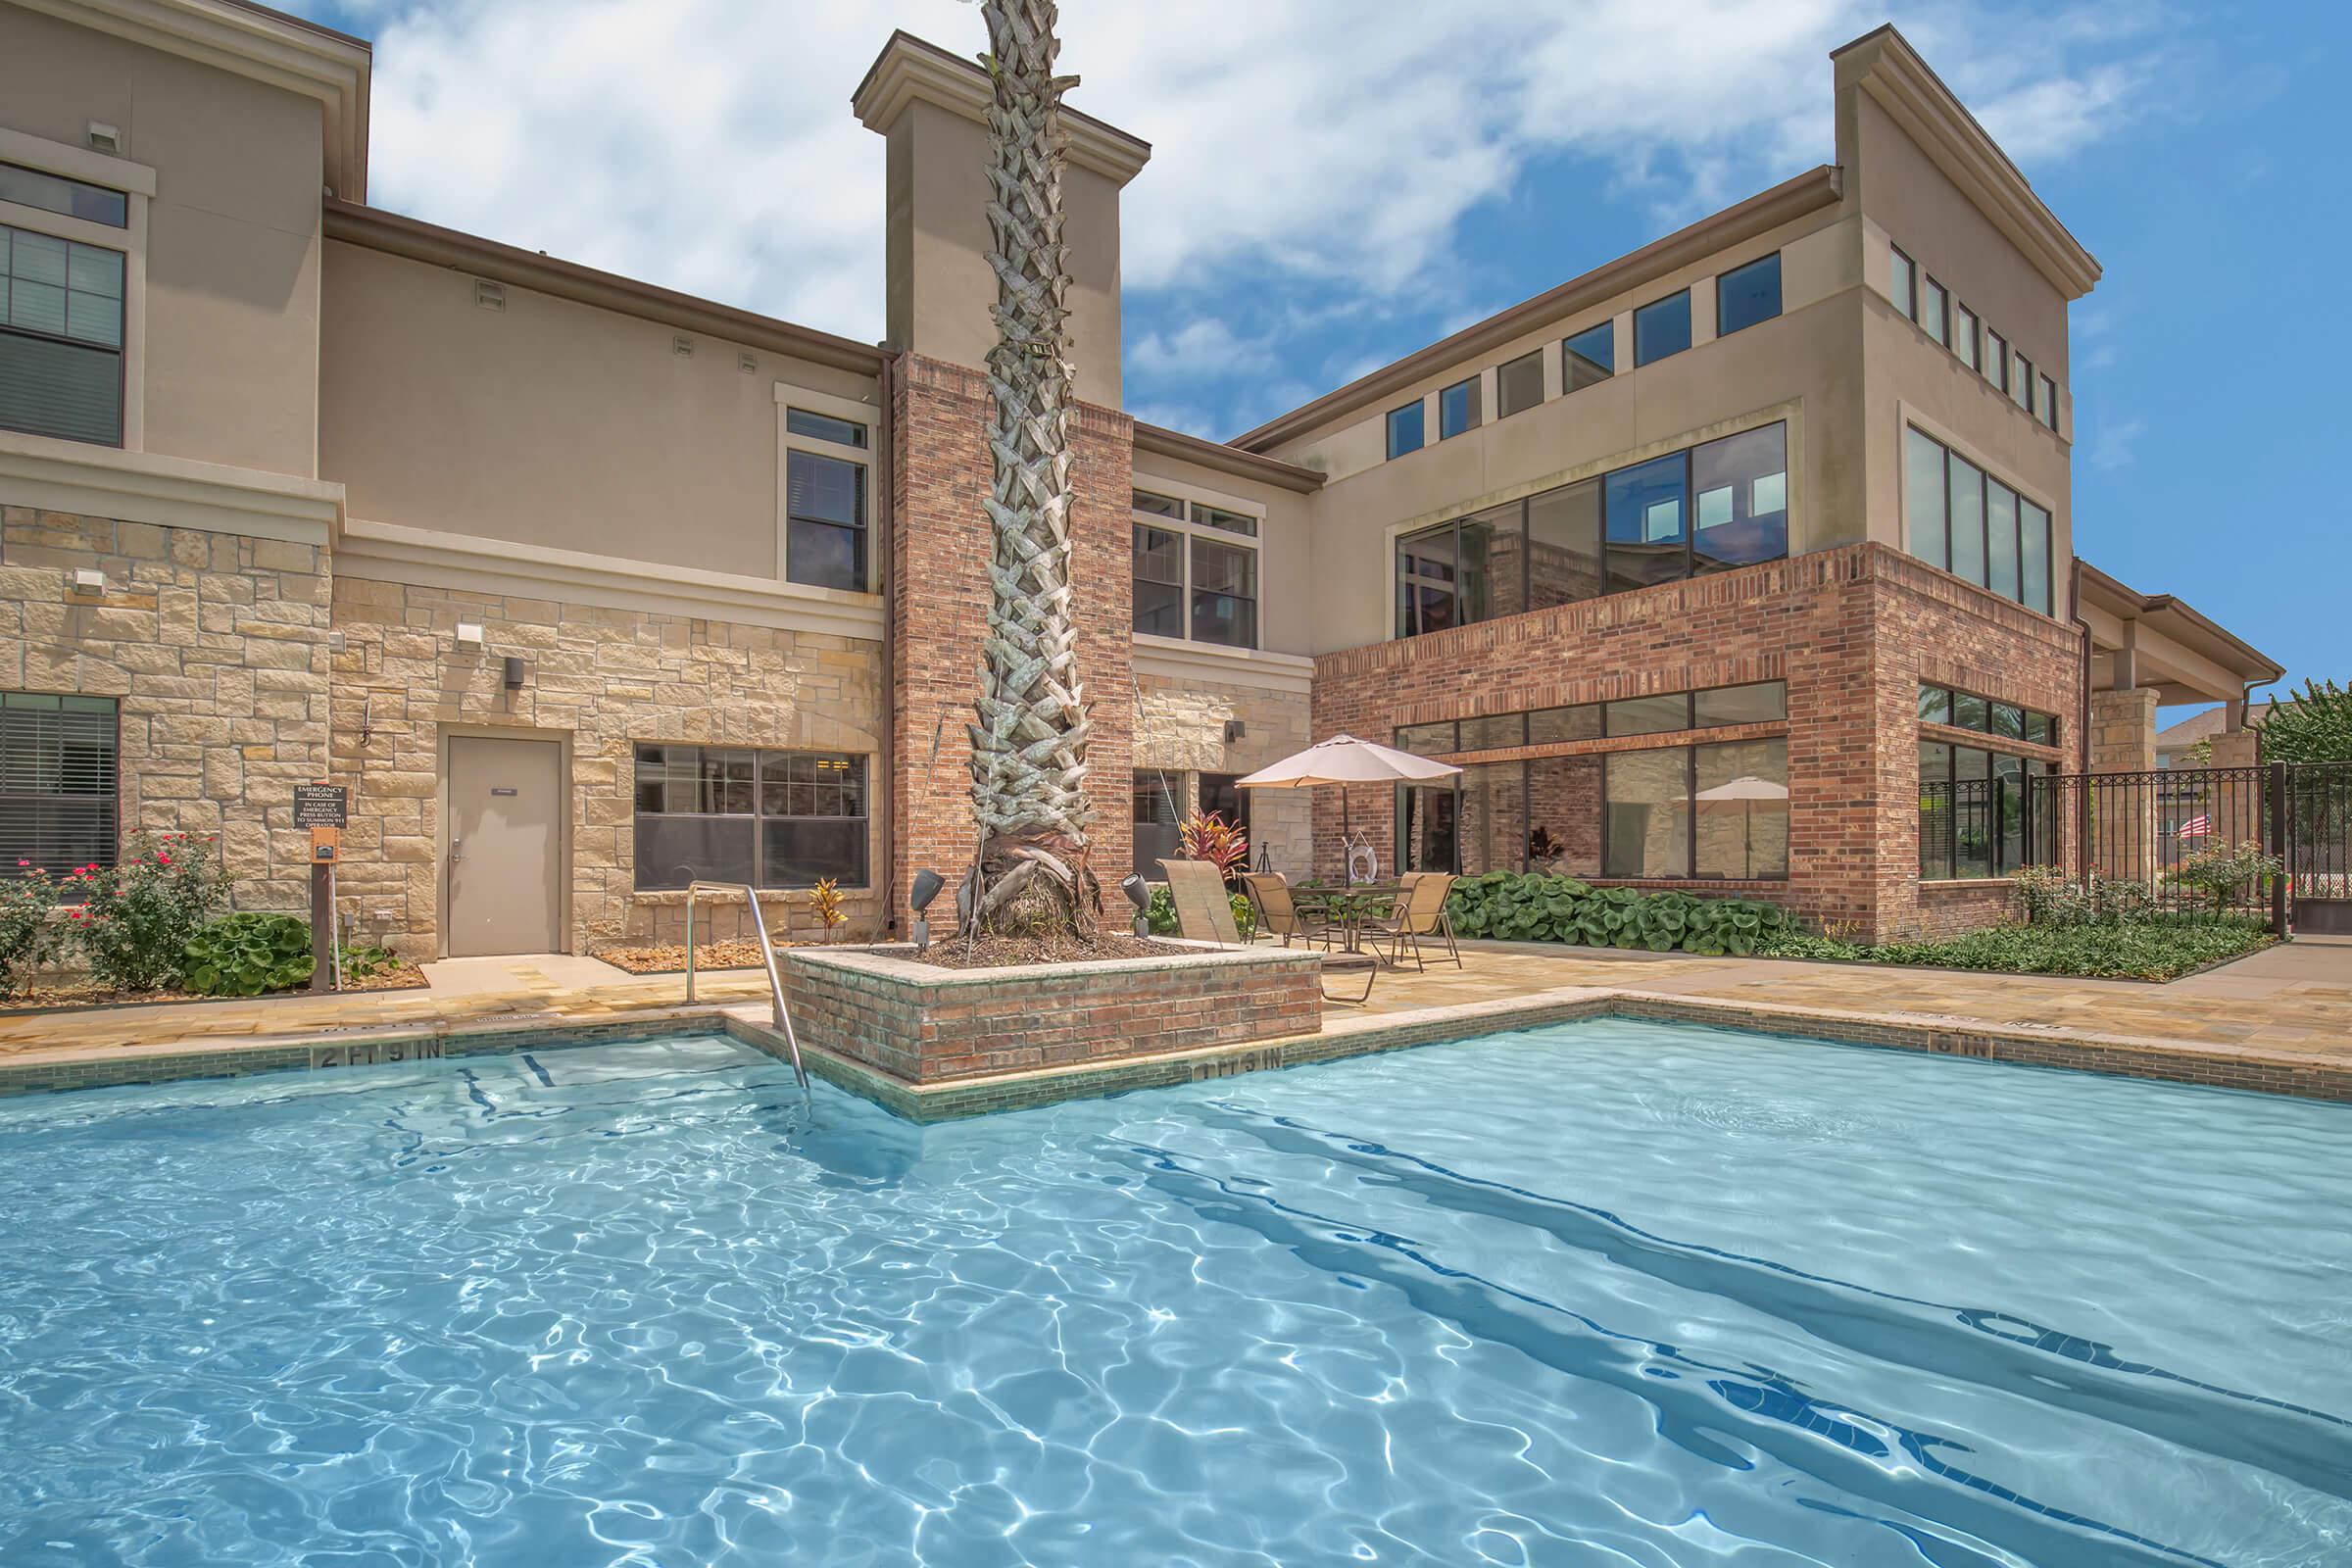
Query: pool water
x=1614 y=1292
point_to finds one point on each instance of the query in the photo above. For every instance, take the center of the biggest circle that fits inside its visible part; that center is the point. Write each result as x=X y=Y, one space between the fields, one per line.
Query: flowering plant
x=1222 y=844
x=136 y=918
x=28 y=937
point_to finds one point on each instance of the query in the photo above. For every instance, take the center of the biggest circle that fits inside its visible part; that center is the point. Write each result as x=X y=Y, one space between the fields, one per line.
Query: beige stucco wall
x=941 y=285
x=231 y=345
x=551 y=422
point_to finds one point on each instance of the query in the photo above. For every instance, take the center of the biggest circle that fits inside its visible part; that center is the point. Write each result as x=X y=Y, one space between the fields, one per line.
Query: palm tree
x=1030 y=872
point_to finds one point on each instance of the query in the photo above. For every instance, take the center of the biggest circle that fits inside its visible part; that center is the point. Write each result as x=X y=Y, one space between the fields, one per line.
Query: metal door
x=506 y=840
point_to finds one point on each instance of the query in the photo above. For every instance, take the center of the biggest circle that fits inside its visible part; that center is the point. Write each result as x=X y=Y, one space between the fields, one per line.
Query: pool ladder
x=768 y=952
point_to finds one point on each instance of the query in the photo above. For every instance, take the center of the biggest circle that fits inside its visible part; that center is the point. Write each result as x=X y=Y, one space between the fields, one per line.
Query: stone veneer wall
x=925 y=1024
x=1852 y=630
x=1180 y=726
x=215 y=646
x=601 y=679
x=939 y=614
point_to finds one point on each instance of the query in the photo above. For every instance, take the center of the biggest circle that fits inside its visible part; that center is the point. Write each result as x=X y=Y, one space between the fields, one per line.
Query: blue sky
x=1337 y=182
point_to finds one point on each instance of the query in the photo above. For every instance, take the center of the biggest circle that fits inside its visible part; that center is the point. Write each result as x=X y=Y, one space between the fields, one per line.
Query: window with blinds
x=60 y=337
x=58 y=765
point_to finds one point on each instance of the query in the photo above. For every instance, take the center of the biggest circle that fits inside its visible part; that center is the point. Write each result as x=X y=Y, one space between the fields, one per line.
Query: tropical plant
x=367 y=963
x=2223 y=872
x=2315 y=725
x=30 y=934
x=1511 y=906
x=135 y=918
x=1222 y=844
x=826 y=899
x=1028 y=749
x=247 y=954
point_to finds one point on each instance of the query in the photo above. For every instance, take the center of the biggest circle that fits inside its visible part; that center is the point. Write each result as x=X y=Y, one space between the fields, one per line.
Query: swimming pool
x=1617 y=1292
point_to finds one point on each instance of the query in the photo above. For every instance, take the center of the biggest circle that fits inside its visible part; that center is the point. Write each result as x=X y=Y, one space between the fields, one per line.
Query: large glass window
x=1404 y=429
x=1519 y=384
x=1563 y=545
x=1740 y=489
x=1961 y=519
x=774 y=819
x=1492 y=817
x=1224 y=593
x=1747 y=295
x=1197 y=581
x=1457 y=408
x=1589 y=358
x=59 y=760
x=1647 y=818
x=1222 y=794
x=1662 y=328
x=1740 y=821
x=824 y=545
x=60 y=337
x=1430 y=593
x=1563 y=814
x=1426 y=815
x=1763 y=702
x=1644 y=511
x=1158 y=581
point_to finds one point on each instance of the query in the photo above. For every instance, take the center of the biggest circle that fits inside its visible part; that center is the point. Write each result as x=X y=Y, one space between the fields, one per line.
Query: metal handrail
x=768 y=952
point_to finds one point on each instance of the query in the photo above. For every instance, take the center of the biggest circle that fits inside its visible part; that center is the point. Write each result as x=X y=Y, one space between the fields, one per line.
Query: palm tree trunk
x=1030 y=872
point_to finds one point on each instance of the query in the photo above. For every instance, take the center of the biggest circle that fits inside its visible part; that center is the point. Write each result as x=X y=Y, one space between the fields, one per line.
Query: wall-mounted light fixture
x=1235 y=729
x=105 y=138
x=469 y=634
x=87 y=583
x=516 y=672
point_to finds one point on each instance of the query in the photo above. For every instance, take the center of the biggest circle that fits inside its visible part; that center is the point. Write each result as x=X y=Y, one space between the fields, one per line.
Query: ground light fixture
x=925 y=888
x=1139 y=894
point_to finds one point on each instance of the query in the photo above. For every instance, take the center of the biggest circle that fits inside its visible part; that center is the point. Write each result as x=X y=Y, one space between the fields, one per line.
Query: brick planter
x=926 y=1024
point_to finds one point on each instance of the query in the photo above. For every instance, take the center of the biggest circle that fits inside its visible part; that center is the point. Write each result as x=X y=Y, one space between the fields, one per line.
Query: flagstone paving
x=2290 y=1005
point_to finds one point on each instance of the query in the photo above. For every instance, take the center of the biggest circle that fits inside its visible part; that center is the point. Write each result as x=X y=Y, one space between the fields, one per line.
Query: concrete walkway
x=2290 y=1006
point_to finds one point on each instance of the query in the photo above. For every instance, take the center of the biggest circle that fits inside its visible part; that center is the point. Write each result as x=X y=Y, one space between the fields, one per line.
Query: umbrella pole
x=1346 y=843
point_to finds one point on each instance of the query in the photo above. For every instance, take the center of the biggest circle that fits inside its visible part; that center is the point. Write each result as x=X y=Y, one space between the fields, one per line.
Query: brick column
x=939 y=608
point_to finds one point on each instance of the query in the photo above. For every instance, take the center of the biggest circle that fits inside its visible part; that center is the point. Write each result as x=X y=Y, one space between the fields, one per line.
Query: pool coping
x=2216 y=1064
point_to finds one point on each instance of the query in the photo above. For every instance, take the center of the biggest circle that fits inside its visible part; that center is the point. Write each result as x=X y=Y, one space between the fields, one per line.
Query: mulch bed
x=1004 y=953
x=70 y=998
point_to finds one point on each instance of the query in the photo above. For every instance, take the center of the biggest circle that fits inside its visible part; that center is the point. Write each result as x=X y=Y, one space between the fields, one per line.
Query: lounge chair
x=1278 y=914
x=1420 y=911
x=1204 y=908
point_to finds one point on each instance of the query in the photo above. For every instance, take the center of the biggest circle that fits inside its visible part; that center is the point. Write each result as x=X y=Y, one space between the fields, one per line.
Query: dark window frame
x=118 y=205
x=862 y=761
x=119 y=349
x=1908 y=308
x=1985 y=478
x=1473 y=415
x=1993 y=799
x=1419 y=410
x=1641 y=359
x=1191 y=529
x=1570 y=356
x=1951 y=696
x=1723 y=280
x=108 y=800
x=861 y=532
x=1503 y=407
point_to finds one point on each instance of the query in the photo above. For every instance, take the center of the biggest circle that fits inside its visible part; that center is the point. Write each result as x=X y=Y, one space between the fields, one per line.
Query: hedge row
x=1515 y=907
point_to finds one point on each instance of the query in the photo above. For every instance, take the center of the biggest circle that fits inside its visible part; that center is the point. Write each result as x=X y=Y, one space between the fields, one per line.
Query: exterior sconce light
x=1235 y=729
x=516 y=672
x=469 y=634
x=87 y=583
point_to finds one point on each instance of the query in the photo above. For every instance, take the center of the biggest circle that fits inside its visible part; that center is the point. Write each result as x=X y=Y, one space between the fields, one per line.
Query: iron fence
x=2314 y=831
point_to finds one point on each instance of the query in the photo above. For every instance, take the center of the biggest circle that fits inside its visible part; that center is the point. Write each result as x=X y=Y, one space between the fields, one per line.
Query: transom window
x=1405 y=429
x=1194 y=571
x=1519 y=384
x=1940 y=705
x=68 y=198
x=824 y=428
x=1961 y=519
x=1747 y=295
x=1662 y=328
x=1760 y=703
x=1457 y=408
x=771 y=818
x=60 y=337
x=1588 y=357
x=59 y=762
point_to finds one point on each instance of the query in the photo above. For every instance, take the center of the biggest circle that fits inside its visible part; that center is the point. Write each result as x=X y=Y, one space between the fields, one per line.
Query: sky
x=1335 y=183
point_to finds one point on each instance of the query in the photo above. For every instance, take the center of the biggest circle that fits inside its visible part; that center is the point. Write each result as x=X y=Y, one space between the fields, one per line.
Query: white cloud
x=1308 y=146
x=2117 y=444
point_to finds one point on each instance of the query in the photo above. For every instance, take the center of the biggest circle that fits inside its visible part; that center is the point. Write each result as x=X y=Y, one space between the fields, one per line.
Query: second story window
x=1964 y=334
x=1404 y=429
x=68 y=198
x=1195 y=572
x=1662 y=328
x=1457 y=408
x=60 y=337
x=825 y=537
x=1960 y=517
x=2049 y=403
x=2021 y=384
x=1996 y=358
x=1903 y=282
x=1519 y=384
x=1747 y=295
x=1589 y=358
x=1932 y=300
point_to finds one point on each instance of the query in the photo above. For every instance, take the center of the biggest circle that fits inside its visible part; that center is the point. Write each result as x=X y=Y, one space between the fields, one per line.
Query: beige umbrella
x=1344 y=759
x=1747 y=790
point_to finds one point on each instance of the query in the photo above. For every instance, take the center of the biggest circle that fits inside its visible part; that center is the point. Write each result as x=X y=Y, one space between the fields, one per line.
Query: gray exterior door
x=506 y=844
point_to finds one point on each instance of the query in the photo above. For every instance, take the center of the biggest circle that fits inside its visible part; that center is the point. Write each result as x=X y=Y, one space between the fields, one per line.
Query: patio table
x=1347 y=909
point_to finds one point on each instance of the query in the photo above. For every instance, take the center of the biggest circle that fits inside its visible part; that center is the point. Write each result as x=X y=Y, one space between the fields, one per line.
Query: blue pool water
x=1608 y=1293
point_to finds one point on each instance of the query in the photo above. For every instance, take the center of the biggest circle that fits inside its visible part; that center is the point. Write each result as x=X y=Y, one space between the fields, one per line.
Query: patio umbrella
x=1747 y=790
x=1344 y=759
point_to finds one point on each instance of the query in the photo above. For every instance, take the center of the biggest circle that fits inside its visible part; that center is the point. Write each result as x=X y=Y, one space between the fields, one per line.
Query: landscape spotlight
x=1139 y=894
x=920 y=896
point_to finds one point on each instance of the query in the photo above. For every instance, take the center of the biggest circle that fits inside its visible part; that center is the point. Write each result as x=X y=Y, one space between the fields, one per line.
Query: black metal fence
x=2315 y=832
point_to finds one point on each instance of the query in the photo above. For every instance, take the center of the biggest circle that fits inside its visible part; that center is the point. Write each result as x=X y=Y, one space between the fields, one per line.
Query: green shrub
x=29 y=935
x=1515 y=907
x=368 y=962
x=2152 y=947
x=2223 y=872
x=136 y=918
x=247 y=954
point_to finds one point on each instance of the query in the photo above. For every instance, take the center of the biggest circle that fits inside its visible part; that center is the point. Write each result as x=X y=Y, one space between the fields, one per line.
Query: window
x=1762 y=703
x=1647 y=813
x=1589 y=358
x=1903 y=282
x=1155 y=834
x=1996 y=358
x=1427 y=739
x=1222 y=794
x=1563 y=545
x=1519 y=384
x=1404 y=429
x=1961 y=519
x=1965 y=331
x=1940 y=705
x=2048 y=407
x=2021 y=384
x=1446 y=576
x=1931 y=311
x=1493 y=732
x=59 y=758
x=774 y=819
x=1158 y=581
x=824 y=513
x=1194 y=571
x=1647 y=716
x=1747 y=295
x=1976 y=811
x=1662 y=328
x=824 y=428
x=1741 y=810
x=1457 y=408
x=1740 y=489
x=1547 y=725
x=60 y=337
x=1490 y=817
x=1648 y=542
x=72 y=198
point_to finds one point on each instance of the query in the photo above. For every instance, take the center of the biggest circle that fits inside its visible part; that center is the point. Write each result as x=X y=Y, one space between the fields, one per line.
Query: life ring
x=1363 y=865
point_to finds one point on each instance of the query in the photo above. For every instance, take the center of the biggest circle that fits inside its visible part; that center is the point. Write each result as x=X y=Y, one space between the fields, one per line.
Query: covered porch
x=2151 y=650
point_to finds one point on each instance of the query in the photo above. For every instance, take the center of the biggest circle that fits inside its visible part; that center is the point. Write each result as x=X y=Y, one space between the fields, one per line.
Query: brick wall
x=926 y=1024
x=215 y=646
x=939 y=612
x=1852 y=631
